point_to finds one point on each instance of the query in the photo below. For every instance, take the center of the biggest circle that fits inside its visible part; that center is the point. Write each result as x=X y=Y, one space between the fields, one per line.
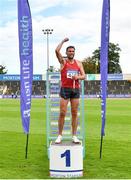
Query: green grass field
x=116 y=159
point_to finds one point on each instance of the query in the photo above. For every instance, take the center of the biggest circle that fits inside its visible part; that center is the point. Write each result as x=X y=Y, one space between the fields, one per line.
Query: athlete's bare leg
x=74 y=112
x=63 y=109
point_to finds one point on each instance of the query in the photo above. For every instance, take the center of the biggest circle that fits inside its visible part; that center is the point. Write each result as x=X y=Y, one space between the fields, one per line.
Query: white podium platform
x=66 y=160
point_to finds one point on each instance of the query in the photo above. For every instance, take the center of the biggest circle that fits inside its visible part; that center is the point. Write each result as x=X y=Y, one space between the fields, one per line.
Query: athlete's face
x=70 y=53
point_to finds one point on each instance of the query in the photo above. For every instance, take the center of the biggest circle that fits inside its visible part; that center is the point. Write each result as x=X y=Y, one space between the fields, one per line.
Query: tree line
x=91 y=64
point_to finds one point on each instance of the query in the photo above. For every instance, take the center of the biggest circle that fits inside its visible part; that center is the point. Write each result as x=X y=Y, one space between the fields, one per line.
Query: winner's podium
x=66 y=159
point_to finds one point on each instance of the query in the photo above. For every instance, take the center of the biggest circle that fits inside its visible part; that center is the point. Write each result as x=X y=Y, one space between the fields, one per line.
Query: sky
x=79 y=20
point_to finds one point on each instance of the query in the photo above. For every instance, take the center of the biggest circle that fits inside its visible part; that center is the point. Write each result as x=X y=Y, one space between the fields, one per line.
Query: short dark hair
x=70 y=47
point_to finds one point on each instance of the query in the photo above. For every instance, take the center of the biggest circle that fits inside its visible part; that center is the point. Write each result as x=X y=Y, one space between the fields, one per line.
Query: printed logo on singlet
x=71 y=73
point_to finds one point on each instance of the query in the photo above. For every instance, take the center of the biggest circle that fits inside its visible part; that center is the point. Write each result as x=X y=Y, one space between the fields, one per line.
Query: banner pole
x=105 y=29
x=26 y=147
x=101 y=146
x=26 y=64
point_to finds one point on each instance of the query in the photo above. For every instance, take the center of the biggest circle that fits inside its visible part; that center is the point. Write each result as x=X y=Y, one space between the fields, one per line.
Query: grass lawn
x=116 y=158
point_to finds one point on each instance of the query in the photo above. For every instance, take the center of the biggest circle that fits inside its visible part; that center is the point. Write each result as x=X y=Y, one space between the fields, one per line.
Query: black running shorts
x=69 y=93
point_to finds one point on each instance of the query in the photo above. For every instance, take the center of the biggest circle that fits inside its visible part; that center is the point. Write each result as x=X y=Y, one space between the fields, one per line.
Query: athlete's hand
x=75 y=77
x=65 y=40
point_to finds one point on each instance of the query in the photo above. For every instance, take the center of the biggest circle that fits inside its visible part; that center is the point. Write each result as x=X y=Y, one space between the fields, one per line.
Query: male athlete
x=71 y=72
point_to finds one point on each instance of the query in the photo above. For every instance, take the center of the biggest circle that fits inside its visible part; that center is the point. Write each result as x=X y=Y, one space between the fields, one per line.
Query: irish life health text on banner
x=26 y=61
x=105 y=28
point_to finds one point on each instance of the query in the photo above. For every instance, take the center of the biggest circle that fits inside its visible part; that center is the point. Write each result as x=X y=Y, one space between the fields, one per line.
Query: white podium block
x=66 y=160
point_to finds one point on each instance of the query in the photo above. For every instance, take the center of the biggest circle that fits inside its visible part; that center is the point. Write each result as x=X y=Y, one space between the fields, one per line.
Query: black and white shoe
x=75 y=140
x=58 y=140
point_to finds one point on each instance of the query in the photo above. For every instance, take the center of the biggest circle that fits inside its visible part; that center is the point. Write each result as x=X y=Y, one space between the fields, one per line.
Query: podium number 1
x=67 y=155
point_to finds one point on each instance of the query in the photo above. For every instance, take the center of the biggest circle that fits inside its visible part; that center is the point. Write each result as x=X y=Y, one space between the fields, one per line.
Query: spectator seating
x=90 y=87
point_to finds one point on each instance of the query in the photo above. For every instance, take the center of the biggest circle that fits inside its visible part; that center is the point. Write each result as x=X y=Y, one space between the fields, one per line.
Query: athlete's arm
x=57 y=51
x=82 y=75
